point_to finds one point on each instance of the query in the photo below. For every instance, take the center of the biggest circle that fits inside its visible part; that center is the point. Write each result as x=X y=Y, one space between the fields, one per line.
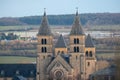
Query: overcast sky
x=18 y=8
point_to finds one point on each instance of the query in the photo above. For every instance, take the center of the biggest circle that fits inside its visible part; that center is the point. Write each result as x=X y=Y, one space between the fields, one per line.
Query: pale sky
x=20 y=8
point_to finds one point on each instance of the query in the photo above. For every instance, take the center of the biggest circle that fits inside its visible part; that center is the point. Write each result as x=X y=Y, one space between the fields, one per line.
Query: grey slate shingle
x=9 y=70
x=76 y=27
x=44 y=28
x=89 y=42
x=107 y=71
x=60 y=43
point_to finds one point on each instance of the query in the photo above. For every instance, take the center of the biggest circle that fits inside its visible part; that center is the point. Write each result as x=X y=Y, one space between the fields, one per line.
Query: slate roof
x=89 y=42
x=66 y=58
x=9 y=70
x=60 y=43
x=76 y=27
x=106 y=71
x=60 y=60
x=44 y=28
x=19 y=78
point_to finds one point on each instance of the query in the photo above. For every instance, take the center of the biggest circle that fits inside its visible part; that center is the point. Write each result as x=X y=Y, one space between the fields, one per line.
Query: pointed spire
x=76 y=27
x=89 y=42
x=60 y=43
x=44 y=11
x=76 y=11
x=44 y=28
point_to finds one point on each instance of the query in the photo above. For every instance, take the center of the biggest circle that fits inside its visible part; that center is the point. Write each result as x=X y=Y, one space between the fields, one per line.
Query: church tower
x=90 y=56
x=44 y=48
x=60 y=47
x=77 y=47
x=62 y=62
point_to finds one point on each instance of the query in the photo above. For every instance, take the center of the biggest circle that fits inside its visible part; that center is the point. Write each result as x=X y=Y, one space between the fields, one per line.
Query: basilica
x=75 y=61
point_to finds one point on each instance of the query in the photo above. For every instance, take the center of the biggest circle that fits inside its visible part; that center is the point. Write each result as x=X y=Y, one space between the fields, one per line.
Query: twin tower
x=75 y=61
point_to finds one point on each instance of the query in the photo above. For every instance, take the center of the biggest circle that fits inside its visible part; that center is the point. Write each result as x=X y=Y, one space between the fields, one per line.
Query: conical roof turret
x=61 y=42
x=44 y=27
x=89 y=42
x=76 y=27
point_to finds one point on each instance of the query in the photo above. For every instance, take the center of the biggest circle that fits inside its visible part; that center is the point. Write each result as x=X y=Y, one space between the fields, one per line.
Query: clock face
x=58 y=74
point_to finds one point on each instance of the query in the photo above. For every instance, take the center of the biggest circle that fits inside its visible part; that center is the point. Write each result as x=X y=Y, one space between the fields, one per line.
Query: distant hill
x=86 y=19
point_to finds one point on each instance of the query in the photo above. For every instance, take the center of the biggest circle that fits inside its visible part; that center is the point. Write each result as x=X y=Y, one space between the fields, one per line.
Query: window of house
x=88 y=63
x=58 y=52
x=44 y=49
x=90 y=53
x=76 y=41
x=86 y=53
x=43 y=41
x=76 y=49
x=76 y=57
x=62 y=52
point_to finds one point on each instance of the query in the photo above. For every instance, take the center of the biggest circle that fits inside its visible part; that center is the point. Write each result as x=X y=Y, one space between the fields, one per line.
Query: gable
x=59 y=61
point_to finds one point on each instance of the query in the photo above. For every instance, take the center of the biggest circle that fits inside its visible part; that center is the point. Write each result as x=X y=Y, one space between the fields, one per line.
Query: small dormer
x=17 y=72
x=2 y=73
x=60 y=47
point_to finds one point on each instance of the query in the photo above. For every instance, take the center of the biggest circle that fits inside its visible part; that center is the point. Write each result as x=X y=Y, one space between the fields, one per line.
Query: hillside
x=86 y=19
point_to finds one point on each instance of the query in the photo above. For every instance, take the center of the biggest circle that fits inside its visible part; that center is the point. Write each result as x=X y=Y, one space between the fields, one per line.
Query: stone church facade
x=75 y=61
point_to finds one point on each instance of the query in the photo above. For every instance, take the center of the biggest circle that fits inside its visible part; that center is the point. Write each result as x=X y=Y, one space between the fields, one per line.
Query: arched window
x=62 y=52
x=88 y=63
x=86 y=53
x=90 y=53
x=76 y=57
x=44 y=49
x=77 y=41
x=77 y=49
x=58 y=52
x=43 y=41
